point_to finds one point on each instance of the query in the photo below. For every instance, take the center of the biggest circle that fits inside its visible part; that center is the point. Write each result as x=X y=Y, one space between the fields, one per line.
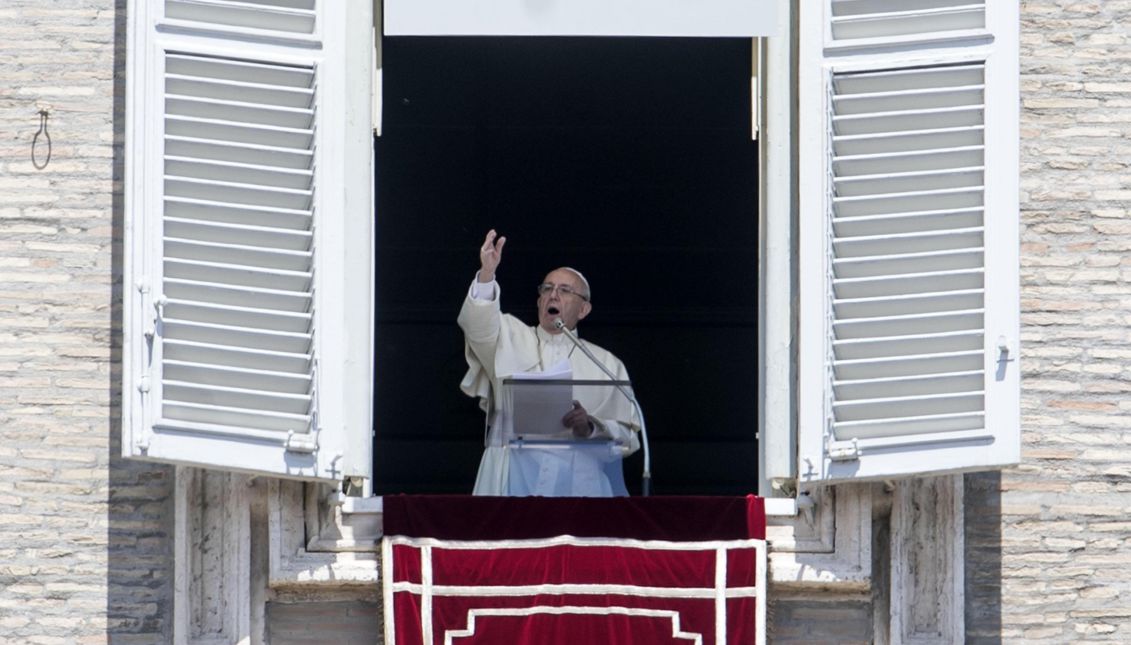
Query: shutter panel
x=236 y=230
x=908 y=258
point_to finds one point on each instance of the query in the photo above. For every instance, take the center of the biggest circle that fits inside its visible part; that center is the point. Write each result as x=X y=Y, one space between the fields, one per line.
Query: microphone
x=646 y=476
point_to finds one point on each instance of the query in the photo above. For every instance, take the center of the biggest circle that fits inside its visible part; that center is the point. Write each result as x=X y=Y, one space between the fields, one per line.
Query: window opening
x=628 y=158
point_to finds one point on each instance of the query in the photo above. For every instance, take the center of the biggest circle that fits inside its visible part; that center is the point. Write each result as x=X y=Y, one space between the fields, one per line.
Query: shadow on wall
x=139 y=571
x=983 y=557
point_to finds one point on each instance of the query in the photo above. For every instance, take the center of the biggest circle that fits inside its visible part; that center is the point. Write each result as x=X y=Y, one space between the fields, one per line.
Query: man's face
x=555 y=303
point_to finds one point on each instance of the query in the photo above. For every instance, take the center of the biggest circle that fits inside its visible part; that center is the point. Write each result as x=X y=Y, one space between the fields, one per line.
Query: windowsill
x=375 y=504
x=775 y=506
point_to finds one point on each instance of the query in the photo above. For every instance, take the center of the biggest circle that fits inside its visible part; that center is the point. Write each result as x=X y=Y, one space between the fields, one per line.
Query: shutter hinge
x=848 y=452
x=1006 y=351
x=301 y=443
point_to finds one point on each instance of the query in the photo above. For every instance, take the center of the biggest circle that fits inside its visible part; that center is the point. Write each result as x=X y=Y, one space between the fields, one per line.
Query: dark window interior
x=628 y=158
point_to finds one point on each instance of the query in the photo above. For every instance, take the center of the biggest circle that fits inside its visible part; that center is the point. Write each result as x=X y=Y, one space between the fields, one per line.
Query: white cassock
x=498 y=345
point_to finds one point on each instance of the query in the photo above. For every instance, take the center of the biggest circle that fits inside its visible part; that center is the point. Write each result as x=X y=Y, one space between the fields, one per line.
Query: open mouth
x=553 y=311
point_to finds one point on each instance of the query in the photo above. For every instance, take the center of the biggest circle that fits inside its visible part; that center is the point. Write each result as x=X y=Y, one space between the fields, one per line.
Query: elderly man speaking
x=498 y=345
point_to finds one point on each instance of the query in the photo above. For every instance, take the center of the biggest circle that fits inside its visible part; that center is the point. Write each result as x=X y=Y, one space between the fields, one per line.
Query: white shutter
x=909 y=247
x=248 y=184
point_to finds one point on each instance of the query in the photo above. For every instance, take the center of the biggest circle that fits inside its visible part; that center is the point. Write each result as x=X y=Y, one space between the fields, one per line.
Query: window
x=248 y=202
x=628 y=158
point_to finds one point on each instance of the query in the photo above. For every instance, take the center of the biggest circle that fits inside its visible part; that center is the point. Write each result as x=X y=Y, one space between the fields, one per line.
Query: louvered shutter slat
x=847 y=369
x=214 y=334
x=909 y=162
x=880 y=141
x=904 y=100
x=224 y=130
x=915 y=242
x=238 y=112
x=238 y=357
x=256 y=319
x=238 y=255
x=912 y=346
x=867 y=19
x=202 y=392
x=193 y=148
x=264 y=424
x=902 y=264
x=906 y=222
x=896 y=305
x=907 y=407
x=282 y=219
x=906 y=182
x=248 y=276
x=906 y=304
x=920 y=385
x=908 y=121
x=947 y=428
x=908 y=202
x=268 y=381
x=237 y=295
x=254 y=236
x=246 y=174
x=238 y=194
x=279 y=15
x=930 y=323
x=196 y=88
x=216 y=69
x=899 y=285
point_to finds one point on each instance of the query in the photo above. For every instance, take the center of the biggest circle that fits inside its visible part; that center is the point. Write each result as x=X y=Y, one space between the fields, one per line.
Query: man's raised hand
x=490 y=255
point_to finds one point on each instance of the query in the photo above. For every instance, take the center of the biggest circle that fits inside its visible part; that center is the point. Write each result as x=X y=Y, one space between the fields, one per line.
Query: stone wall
x=314 y=623
x=1063 y=542
x=84 y=548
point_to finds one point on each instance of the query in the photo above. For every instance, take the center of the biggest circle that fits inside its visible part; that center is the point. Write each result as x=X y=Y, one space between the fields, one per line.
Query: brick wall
x=83 y=551
x=1063 y=540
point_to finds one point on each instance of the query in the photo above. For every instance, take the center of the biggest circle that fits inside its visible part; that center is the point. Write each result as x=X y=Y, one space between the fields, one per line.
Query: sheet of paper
x=539 y=408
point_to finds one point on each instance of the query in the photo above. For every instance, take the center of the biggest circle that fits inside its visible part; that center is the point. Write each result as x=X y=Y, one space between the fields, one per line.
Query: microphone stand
x=646 y=476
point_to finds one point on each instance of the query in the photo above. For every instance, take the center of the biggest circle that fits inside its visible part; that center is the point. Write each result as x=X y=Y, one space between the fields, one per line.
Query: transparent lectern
x=546 y=459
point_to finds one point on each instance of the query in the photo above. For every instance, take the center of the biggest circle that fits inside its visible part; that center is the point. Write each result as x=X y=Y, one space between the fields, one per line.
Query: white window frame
x=823 y=538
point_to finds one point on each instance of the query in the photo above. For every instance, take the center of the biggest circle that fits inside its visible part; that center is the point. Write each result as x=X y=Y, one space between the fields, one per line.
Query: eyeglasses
x=547 y=287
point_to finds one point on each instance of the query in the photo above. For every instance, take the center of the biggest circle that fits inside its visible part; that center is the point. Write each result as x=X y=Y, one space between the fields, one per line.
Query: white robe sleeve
x=480 y=319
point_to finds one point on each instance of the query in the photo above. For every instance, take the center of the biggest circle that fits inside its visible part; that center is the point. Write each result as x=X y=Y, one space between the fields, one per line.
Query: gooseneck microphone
x=646 y=476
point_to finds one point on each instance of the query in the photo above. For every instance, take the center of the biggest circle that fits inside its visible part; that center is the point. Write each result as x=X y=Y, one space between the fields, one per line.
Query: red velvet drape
x=466 y=570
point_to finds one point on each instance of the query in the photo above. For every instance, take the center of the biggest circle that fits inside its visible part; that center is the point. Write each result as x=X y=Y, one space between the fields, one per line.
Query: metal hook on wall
x=35 y=141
